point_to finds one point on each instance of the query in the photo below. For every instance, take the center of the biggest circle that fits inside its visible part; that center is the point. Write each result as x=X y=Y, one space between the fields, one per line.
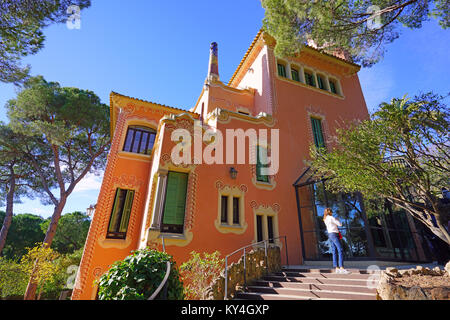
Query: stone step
x=313 y=280
x=338 y=287
x=300 y=295
x=317 y=275
x=319 y=270
x=264 y=296
x=315 y=294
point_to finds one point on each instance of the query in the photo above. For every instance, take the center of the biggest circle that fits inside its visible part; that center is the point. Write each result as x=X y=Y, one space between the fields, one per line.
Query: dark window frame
x=281 y=70
x=113 y=232
x=236 y=211
x=143 y=131
x=224 y=209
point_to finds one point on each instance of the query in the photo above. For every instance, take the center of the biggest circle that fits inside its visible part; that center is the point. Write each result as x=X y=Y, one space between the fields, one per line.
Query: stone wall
x=255 y=269
x=415 y=284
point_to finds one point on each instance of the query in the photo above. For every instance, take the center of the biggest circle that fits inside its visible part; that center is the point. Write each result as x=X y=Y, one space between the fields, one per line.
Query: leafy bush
x=40 y=264
x=13 y=279
x=64 y=276
x=138 y=276
x=199 y=272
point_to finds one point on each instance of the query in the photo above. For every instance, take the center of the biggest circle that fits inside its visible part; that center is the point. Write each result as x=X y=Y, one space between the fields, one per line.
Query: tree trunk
x=30 y=293
x=9 y=210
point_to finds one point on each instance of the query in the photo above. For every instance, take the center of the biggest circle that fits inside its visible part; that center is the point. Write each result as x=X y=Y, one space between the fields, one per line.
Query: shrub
x=13 y=279
x=138 y=276
x=40 y=264
x=199 y=273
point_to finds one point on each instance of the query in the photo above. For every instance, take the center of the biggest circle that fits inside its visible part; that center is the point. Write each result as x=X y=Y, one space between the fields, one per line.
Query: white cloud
x=90 y=182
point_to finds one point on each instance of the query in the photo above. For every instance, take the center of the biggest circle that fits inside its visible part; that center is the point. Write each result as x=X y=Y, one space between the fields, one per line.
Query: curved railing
x=163 y=283
x=266 y=242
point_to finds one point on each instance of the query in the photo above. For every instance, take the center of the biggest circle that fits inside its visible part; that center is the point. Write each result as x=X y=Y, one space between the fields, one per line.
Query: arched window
x=139 y=140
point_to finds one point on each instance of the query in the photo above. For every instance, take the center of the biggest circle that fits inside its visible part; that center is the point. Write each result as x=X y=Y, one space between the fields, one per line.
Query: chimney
x=213 y=72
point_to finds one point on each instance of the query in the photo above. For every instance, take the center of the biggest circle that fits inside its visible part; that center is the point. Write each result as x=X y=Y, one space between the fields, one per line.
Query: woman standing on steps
x=334 y=238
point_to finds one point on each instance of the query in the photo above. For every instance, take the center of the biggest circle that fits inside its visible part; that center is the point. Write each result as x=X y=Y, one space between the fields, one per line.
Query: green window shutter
x=260 y=165
x=126 y=211
x=114 y=214
x=175 y=202
x=317 y=132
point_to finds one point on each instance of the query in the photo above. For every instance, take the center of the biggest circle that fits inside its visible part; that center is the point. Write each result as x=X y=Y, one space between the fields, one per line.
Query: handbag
x=340 y=236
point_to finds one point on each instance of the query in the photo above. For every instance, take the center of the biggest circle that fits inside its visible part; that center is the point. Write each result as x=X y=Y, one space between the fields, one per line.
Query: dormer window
x=139 y=140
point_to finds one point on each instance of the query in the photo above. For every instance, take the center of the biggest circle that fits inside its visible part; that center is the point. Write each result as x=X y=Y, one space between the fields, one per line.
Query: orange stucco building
x=147 y=199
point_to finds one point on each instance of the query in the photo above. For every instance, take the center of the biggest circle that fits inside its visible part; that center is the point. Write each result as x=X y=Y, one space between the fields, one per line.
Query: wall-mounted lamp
x=233 y=173
x=90 y=211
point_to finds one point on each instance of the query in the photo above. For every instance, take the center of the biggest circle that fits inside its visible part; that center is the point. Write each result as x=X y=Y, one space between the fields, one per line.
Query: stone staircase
x=310 y=284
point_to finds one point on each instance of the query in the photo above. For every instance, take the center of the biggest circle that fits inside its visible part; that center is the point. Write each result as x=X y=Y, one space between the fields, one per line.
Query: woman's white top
x=332 y=224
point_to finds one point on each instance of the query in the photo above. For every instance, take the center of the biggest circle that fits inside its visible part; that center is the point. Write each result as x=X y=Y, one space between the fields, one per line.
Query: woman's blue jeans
x=335 y=245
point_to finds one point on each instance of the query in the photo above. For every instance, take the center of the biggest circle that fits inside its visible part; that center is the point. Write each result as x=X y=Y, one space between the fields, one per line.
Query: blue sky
x=159 y=51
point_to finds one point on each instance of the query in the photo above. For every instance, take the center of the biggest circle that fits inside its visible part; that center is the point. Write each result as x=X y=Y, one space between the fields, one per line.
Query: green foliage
x=13 y=279
x=39 y=263
x=25 y=232
x=402 y=154
x=347 y=25
x=21 y=24
x=138 y=276
x=63 y=277
x=14 y=276
x=199 y=273
x=72 y=232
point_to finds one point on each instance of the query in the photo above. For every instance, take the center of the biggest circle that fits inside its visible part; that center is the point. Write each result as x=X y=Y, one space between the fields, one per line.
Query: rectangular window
x=321 y=82
x=270 y=228
x=295 y=75
x=281 y=70
x=224 y=210
x=175 y=202
x=139 y=140
x=236 y=219
x=333 y=87
x=317 y=132
x=259 y=164
x=259 y=228
x=309 y=78
x=120 y=216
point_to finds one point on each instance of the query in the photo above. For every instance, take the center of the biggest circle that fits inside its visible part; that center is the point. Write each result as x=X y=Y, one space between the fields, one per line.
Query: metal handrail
x=163 y=283
x=245 y=260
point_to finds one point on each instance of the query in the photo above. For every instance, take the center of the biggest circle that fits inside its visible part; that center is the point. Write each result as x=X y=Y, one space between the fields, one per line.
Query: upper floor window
x=175 y=202
x=295 y=75
x=139 y=140
x=281 y=70
x=309 y=78
x=120 y=216
x=333 y=87
x=321 y=82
